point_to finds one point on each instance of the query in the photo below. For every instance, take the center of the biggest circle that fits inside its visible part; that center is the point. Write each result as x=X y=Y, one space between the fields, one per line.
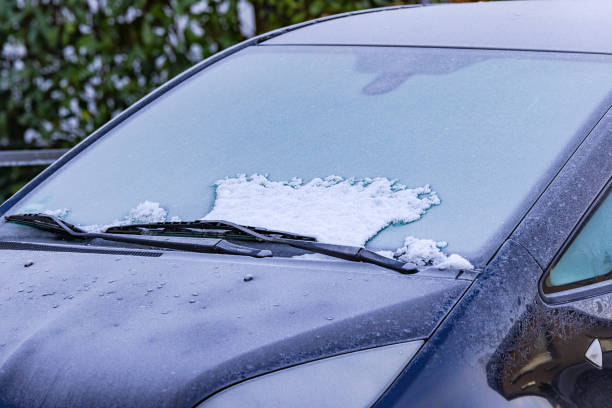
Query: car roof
x=542 y=25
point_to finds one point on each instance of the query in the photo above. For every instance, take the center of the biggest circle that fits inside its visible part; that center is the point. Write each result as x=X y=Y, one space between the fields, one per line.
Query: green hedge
x=68 y=66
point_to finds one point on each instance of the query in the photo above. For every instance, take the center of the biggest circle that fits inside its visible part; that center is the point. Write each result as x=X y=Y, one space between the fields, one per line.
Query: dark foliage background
x=68 y=66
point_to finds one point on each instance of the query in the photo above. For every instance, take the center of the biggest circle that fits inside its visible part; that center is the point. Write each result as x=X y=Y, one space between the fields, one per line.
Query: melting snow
x=59 y=213
x=334 y=209
x=315 y=257
x=144 y=213
x=424 y=252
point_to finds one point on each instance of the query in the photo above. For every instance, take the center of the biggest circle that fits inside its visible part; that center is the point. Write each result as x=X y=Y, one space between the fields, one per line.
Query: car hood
x=93 y=329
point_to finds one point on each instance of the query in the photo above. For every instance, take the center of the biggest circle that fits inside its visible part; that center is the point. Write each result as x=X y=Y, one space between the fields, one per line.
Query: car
x=398 y=207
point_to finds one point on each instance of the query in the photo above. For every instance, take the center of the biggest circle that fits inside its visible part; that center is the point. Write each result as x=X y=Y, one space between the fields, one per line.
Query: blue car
x=401 y=207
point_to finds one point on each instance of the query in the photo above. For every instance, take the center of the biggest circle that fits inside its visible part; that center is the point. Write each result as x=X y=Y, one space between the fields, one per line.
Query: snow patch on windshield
x=426 y=252
x=315 y=257
x=144 y=213
x=333 y=209
x=59 y=213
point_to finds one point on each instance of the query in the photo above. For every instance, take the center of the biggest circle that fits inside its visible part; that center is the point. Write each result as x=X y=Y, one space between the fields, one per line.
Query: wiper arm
x=206 y=245
x=216 y=228
x=231 y=230
x=353 y=253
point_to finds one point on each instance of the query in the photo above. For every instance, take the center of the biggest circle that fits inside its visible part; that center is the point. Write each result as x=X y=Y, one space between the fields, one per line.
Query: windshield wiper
x=206 y=245
x=206 y=228
x=217 y=229
x=227 y=229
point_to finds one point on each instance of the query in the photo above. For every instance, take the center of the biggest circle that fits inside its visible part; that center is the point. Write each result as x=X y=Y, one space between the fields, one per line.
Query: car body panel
x=485 y=359
x=104 y=332
x=524 y=25
x=169 y=330
x=561 y=207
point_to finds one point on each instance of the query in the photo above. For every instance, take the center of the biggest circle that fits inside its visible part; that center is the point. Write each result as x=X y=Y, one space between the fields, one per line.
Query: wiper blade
x=231 y=230
x=206 y=228
x=206 y=245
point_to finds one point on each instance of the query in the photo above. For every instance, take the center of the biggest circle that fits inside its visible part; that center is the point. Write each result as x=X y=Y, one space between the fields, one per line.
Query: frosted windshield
x=478 y=128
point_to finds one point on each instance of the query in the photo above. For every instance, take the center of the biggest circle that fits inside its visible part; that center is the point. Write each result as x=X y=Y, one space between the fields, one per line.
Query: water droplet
x=116 y=324
x=195 y=294
x=101 y=294
x=20 y=290
x=330 y=318
x=55 y=306
x=28 y=264
x=165 y=312
x=29 y=291
x=160 y=286
x=176 y=296
x=48 y=294
x=112 y=281
x=276 y=305
x=119 y=298
x=110 y=292
x=192 y=301
x=69 y=297
x=149 y=290
x=248 y=277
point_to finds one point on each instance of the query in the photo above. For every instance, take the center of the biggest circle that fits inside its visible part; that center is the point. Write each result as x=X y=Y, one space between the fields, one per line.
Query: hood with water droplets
x=88 y=329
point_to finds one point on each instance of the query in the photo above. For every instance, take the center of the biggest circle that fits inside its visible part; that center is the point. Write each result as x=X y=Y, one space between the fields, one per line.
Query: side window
x=588 y=257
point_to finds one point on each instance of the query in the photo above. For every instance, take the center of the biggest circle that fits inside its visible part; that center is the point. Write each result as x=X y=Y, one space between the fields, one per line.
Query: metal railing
x=10 y=158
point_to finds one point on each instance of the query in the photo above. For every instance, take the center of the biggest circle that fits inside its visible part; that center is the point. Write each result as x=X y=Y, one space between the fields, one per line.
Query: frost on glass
x=348 y=380
x=590 y=254
x=482 y=128
x=332 y=209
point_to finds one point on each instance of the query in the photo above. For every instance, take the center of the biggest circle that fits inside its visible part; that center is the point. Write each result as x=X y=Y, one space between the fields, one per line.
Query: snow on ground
x=334 y=209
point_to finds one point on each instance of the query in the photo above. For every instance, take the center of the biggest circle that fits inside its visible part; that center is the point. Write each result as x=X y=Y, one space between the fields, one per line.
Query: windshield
x=383 y=146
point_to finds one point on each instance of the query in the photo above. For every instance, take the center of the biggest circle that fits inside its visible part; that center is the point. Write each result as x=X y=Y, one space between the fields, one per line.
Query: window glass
x=589 y=256
x=481 y=128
